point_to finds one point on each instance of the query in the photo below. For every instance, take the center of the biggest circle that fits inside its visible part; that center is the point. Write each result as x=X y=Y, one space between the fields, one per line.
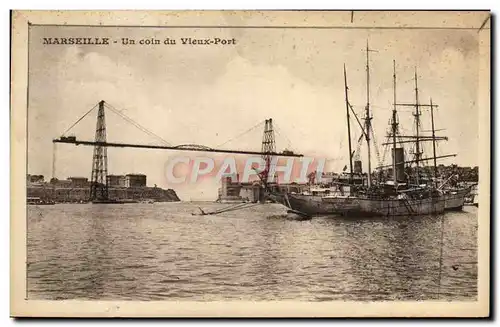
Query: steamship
x=406 y=193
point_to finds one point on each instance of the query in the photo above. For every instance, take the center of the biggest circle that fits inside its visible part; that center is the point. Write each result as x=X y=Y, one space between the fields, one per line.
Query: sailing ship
x=404 y=195
x=338 y=198
x=401 y=196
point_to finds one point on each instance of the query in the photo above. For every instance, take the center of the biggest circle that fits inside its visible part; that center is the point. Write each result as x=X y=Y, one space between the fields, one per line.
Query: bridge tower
x=268 y=147
x=99 y=180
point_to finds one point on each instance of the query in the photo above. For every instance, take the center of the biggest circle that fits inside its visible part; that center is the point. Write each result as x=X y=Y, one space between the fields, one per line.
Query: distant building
x=117 y=181
x=232 y=190
x=79 y=181
x=135 y=180
x=34 y=178
x=250 y=192
x=61 y=183
x=289 y=188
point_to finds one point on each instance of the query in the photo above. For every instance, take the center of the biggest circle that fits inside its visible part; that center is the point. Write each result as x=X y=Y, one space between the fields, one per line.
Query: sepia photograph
x=271 y=163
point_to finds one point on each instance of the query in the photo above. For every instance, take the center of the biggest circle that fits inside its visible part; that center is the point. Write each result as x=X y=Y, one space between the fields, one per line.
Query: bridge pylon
x=268 y=147
x=99 y=179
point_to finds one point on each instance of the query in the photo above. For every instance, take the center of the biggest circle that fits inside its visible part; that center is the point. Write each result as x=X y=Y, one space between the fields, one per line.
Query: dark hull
x=362 y=207
x=317 y=205
x=402 y=207
x=40 y=204
x=113 y=201
x=459 y=208
x=454 y=201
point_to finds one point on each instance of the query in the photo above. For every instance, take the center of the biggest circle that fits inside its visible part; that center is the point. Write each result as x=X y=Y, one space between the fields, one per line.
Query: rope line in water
x=441 y=256
x=231 y=208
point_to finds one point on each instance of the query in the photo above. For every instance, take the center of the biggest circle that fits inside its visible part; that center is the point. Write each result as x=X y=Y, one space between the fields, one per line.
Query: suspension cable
x=136 y=124
x=277 y=129
x=241 y=134
x=88 y=112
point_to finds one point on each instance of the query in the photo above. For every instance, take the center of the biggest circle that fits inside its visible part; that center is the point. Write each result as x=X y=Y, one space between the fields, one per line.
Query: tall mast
x=394 y=127
x=348 y=124
x=417 y=127
x=368 y=118
x=434 y=143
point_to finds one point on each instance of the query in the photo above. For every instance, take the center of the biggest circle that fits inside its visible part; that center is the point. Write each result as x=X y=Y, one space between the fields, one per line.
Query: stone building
x=117 y=181
x=79 y=181
x=135 y=180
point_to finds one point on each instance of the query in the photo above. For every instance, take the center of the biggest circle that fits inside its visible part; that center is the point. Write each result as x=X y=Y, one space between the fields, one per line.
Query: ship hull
x=361 y=207
x=454 y=201
x=401 y=207
x=318 y=205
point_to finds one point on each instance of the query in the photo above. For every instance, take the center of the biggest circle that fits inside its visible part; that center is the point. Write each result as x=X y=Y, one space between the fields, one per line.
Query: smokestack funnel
x=399 y=154
x=358 y=167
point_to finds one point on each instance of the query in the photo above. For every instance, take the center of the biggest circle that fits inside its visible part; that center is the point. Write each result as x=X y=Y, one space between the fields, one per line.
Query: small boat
x=33 y=200
x=114 y=201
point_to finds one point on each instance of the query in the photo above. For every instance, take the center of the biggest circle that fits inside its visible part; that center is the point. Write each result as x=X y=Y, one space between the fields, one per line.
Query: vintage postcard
x=250 y=163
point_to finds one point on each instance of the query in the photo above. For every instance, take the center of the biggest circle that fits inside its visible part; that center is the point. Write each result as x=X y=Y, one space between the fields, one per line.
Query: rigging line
x=136 y=124
x=88 y=112
x=357 y=119
x=376 y=147
x=386 y=148
x=241 y=134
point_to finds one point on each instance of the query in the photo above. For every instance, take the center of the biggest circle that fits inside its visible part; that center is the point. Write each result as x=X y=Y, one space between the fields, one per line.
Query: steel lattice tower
x=268 y=147
x=99 y=180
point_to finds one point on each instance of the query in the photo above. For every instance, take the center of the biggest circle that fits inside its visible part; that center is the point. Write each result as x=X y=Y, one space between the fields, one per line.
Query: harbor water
x=161 y=251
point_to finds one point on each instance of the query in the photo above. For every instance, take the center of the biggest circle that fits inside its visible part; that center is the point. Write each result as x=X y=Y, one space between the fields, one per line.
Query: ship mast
x=367 y=117
x=433 y=142
x=417 y=127
x=394 y=127
x=348 y=124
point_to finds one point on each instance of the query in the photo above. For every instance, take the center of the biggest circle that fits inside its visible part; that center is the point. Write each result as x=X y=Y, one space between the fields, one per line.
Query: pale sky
x=209 y=94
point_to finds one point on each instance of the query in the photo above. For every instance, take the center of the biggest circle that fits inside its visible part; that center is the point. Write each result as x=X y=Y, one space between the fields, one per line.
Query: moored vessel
x=406 y=194
x=455 y=198
x=38 y=201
